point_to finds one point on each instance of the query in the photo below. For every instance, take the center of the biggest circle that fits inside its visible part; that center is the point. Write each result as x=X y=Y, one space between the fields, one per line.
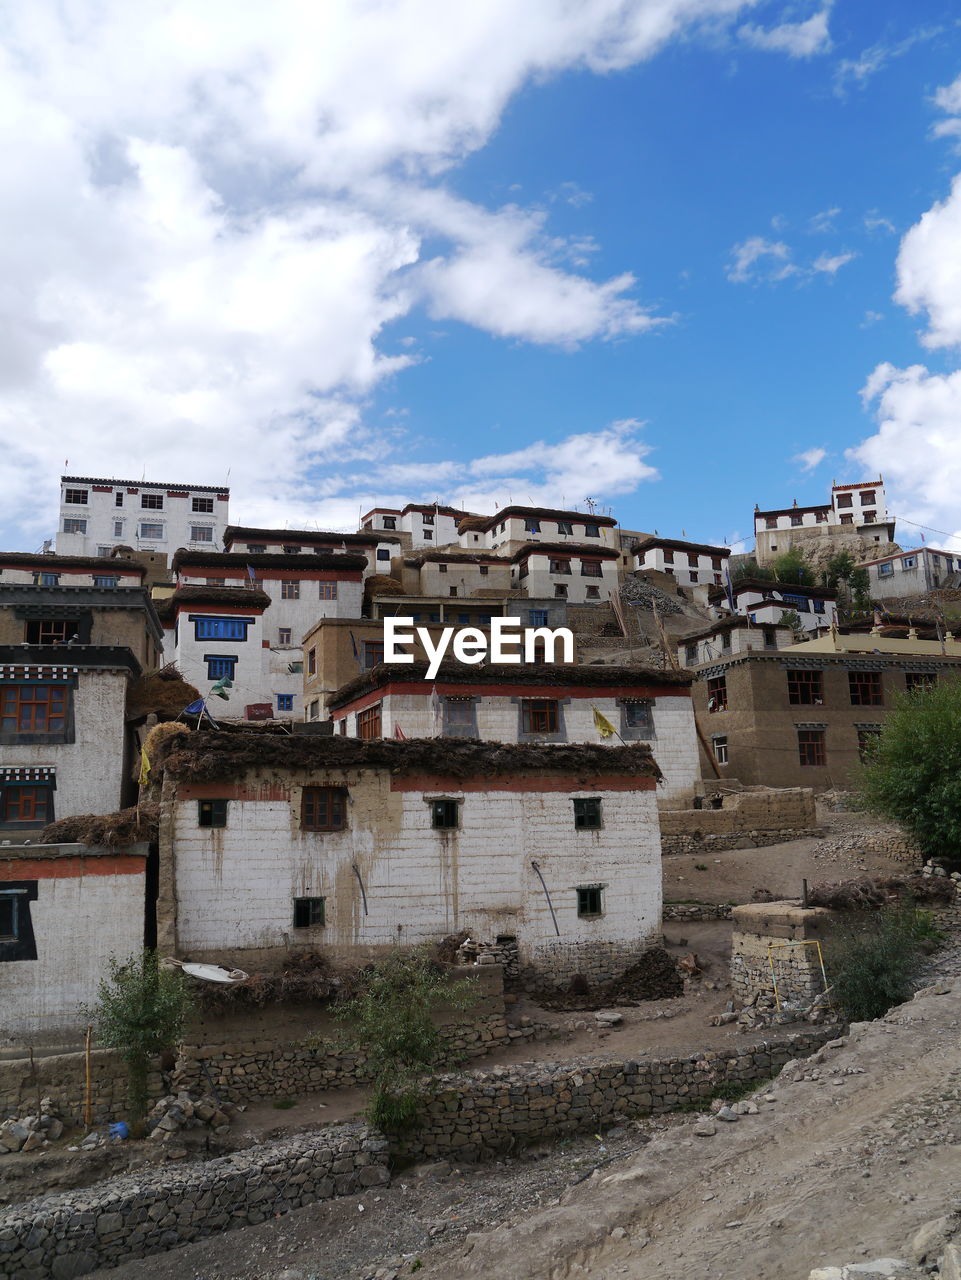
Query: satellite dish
x=214 y=973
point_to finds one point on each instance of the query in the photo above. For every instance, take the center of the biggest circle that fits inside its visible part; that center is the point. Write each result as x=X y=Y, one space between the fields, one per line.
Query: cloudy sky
x=678 y=256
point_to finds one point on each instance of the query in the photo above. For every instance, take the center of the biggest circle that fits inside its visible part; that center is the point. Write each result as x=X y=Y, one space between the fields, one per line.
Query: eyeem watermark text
x=507 y=642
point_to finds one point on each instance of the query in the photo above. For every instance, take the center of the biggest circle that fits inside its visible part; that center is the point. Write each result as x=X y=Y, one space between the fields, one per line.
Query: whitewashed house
x=529 y=704
x=692 y=564
x=730 y=636
x=765 y=602
x=97 y=514
x=577 y=574
x=64 y=910
x=858 y=508
x=279 y=842
x=911 y=573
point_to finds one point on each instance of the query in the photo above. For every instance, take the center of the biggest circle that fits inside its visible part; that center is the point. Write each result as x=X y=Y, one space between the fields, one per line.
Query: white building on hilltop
x=96 y=515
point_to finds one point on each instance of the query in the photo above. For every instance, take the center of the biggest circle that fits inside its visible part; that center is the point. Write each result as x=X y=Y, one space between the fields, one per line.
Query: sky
x=677 y=257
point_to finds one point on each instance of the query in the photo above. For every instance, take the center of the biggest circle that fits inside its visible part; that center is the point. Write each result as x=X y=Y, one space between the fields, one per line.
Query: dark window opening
x=49 y=630
x=866 y=688
x=444 y=814
x=309 y=912
x=539 y=715
x=589 y=900
x=717 y=694
x=459 y=718
x=587 y=813
x=805 y=688
x=211 y=813
x=868 y=740
x=373 y=653
x=920 y=679
x=811 y=747
x=205 y=505
x=152 y=501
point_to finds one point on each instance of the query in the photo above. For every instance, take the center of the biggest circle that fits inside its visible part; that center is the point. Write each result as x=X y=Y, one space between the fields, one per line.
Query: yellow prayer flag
x=603 y=725
x=144 y=767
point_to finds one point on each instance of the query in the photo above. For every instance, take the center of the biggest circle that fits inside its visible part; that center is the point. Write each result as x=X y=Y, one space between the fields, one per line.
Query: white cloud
x=810 y=458
x=871 y=317
x=858 y=71
x=797 y=39
x=830 y=264
x=757 y=260
x=219 y=208
x=929 y=270
x=873 y=221
x=773 y=255
x=948 y=100
x=823 y=222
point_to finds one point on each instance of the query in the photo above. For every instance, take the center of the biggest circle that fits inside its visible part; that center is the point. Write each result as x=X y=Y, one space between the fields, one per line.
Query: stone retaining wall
x=706 y=842
x=71 y=1234
x=761 y=932
x=696 y=911
x=61 y=1077
x=475 y=1116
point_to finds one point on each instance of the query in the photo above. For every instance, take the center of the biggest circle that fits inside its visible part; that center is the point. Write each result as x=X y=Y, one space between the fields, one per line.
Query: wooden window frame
x=331 y=816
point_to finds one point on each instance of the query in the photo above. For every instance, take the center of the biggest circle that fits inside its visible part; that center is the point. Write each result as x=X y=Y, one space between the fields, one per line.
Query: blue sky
x=545 y=258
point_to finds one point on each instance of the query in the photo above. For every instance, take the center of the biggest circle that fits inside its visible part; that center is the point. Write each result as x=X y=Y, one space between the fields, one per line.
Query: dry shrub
x=382 y=584
x=106 y=830
x=304 y=976
x=445 y=951
x=866 y=894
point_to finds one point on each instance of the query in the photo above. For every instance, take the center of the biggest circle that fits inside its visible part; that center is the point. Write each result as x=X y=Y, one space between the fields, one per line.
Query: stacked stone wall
x=477 y=1116
x=762 y=817
x=71 y=1234
x=61 y=1077
x=781 y=935
x=697 y=911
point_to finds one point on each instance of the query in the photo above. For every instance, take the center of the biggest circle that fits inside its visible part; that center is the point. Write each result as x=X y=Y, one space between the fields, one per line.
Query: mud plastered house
x=270 y=843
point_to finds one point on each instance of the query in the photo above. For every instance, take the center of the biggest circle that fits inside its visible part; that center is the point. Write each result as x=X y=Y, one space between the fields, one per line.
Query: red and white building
x=524 y=704
x=561 y=571
x=357 y=847
x=424 y=525
x=861 y=507
x=764 y=602
x=98 y=514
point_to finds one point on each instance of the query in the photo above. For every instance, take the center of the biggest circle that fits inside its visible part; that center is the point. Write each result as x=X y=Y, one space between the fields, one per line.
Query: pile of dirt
x=106 y=830
x=654 y=976
x=304 y=977
x=164 y=693
x=382 y=584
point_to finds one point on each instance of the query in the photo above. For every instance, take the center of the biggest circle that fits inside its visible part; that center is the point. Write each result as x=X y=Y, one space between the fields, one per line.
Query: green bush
x=873 y=966
x=141 y=1010
x=390 y=1020
x=914 y=771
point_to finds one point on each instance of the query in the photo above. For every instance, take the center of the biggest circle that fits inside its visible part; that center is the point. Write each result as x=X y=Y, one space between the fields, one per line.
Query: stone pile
x=762 y=1011
x=934 y=1251
x=176 y=1112
x=696 y=911
x=31 y=1131
x=644 y=595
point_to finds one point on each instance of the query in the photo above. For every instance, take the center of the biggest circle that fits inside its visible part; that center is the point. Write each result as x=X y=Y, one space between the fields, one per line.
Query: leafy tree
x=141 y=1010
x=914 y=773
x=390 y=1019
x=873 y=966
x=843 y=575
x=791 y=618
x=792 y=567
x=751 y=569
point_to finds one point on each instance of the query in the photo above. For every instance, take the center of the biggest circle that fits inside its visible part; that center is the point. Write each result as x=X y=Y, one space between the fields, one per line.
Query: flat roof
x=679 y=544
x=240 y=559
x=145 y=484
x=249 y=533
x=47 y=560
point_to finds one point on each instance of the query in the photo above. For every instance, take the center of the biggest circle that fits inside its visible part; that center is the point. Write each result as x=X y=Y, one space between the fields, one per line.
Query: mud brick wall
x=473 y=1117
x=763 y=925
x=71 y=1234
x=762 y=817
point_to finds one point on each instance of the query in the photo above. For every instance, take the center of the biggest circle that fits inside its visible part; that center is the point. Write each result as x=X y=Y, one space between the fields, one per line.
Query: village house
x=729 y=636
x=854 y=508
x=528 y=704
x=64 y=745
x=692 y=564
x=806 y=716
x=417 y=524
x=513 y=528
x=577 y=574
x=64 y=910
x=765 y=602
x=912 y=573
x=246 y=540
x=97 y=514
x=277 y=843
x=297 y=588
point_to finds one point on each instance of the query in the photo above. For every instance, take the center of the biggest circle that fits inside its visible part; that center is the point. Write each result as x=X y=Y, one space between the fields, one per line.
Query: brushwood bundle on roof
x=554 y=675
x=164 y=693
x=212 y=757
x=105 y=830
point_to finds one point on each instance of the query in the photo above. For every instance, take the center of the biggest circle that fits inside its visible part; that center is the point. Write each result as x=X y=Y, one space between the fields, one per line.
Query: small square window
x=532 y=526
x=289 y=589
x=73 y=525
x=843 y=500
x=593 y=593
x=201 y=533
x=323 y=809
x=428 y=535
x=383 y=553
x=76 y=497
x=211 y=813
x=565 y=527
x=811 y=747
x=390 y=522
x=309 y=913
x=589 y=900
x=205 y=505
x=283 y=635
x=328 y=591
x=444 y=814
x=369 y=723
x=105 y=579
x=560 y=590
x=285 y=702
x=484 y=570
x=587 y=813
x=537 y=617
x=920 y=679
x=428 y=519
x=805 y=688
x=220 y=666
x=592 y=531
x=290 y=550
x=442 y=568
x=539 y=715
x=373 y=653
x=152 y=501
x=638 y=718
x=866 y=688
x=151 y=532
